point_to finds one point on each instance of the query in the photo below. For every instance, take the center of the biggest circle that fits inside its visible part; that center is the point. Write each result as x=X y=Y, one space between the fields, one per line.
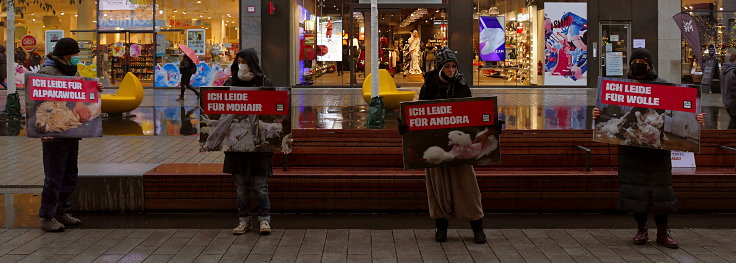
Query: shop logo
x=486 y=118
x=92 y=96
x=688 y=26
x=687 y=104
x=279 y=107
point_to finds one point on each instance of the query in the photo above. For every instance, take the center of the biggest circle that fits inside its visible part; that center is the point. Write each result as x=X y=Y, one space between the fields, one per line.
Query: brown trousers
x=453 y=192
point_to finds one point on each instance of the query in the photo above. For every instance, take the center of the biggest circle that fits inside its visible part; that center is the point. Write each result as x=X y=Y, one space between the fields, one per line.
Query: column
x=669 y=37
x=460 y=32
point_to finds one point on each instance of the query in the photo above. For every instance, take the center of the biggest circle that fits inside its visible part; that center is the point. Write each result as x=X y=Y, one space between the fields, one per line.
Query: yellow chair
x=128 y=97
x=386 y=89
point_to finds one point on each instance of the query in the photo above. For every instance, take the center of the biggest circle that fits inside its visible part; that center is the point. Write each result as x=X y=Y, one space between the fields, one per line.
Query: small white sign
x=683 y=159
x=196 y=40
x=51 y=37
x=640 y=43
x=614 y=64
x=613 y=38
x=609 y=47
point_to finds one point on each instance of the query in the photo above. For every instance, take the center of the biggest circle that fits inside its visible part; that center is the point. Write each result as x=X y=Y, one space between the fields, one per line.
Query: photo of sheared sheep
x=467 y=145
x=245 y=133
x=62 y=119
x=645 y=127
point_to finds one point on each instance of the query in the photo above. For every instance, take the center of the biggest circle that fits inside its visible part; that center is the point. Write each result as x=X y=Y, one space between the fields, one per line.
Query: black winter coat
x=233 y=160
x=645 y=177
x=435 y=89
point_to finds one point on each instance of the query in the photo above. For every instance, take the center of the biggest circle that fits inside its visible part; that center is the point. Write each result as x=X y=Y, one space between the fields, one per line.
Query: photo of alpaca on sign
x=645 y=127
x=62 y=119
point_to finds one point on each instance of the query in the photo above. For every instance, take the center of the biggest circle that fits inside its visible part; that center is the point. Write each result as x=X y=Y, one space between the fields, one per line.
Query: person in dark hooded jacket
x=645 y=174
x=187 y=68
x=728 y=89
x=250 y=169
x=452 y=191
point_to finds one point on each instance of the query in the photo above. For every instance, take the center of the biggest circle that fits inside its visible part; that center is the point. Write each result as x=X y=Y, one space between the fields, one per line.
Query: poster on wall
x=51 y=37
x=492 y=38
x=450 y=132
x=647 y=114
x=329 y=39
x=565 y=41
x=196 y=40
x=240 y=119
x=62 y=107
x=614 y=63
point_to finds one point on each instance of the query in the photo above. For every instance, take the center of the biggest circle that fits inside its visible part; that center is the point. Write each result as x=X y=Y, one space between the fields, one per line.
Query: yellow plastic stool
x=128 y=97
x=386 y=89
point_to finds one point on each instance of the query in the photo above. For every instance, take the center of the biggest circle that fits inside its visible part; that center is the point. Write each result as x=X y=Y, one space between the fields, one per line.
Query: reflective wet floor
x=345 y=108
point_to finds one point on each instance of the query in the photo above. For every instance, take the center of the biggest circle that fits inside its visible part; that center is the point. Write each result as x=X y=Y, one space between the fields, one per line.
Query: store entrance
x=126 y=51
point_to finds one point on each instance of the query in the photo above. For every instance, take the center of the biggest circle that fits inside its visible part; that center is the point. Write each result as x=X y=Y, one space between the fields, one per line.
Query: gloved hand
x=402 y=127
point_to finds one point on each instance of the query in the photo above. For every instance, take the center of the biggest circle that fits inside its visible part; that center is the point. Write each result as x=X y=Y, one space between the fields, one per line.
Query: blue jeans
x=252 y=188
x=60 y=171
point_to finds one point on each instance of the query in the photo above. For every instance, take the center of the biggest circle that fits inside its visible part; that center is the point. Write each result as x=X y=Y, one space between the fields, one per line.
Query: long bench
x=361 y=170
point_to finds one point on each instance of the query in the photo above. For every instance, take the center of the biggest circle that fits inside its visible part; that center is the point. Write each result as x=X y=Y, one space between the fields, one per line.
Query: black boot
x=441 y=234
x=477 y=226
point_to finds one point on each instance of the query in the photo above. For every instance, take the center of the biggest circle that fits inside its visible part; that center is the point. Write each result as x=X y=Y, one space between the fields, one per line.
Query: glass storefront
x=117 y=37
x=717 y=25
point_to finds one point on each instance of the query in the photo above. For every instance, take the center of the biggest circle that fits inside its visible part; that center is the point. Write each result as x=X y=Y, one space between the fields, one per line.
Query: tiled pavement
x=358 y=245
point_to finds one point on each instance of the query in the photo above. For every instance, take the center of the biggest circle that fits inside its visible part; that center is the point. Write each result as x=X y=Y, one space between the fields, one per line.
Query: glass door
x=615 y=49
x=123 y=52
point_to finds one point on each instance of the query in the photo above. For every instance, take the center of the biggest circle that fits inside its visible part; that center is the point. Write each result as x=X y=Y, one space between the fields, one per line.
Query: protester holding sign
x=452 y=191
x=645 y=174
x=250 y=169
x=60 y=154
x=728 y=88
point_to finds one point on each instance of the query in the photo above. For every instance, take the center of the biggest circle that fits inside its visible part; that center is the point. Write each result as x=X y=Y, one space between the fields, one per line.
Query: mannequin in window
x=414 y=53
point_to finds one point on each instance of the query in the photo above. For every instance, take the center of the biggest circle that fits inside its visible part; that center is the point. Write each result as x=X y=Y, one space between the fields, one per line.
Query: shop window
x=717 y=25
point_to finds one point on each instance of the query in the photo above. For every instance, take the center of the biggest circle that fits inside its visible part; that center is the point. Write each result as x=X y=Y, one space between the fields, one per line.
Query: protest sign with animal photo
x=450 y=132
x=239 y=119
x=648 y=114
x=62 y=107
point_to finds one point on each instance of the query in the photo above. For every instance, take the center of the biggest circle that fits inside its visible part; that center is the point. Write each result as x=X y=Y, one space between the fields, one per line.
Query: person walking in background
x=452 y=191
x=3 y=67
x=60 y=155
x=645 y=174
x=187 y=69
x=728 y=88
x=250 y=169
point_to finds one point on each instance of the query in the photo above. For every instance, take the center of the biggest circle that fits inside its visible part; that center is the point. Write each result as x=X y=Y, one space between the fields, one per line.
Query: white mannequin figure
x=414 y=43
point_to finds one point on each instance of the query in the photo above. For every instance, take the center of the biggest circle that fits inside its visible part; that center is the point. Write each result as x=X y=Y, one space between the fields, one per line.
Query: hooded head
x=640 y=65
x=245 y=67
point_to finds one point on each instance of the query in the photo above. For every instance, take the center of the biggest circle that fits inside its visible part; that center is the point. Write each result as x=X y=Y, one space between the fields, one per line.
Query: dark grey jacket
x=728 y=87
x=645 y=178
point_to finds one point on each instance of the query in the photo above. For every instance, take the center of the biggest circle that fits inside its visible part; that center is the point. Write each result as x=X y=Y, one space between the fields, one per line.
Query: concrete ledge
x=110 y=187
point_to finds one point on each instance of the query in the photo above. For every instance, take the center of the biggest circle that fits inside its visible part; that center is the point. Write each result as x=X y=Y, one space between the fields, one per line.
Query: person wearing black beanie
x=645 y=174
x=60 y=154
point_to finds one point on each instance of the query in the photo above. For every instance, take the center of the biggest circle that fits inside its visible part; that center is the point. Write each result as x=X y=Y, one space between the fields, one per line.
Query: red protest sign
x=43 y=88
x=443 y=115
x=258 y=102
x=648 y=95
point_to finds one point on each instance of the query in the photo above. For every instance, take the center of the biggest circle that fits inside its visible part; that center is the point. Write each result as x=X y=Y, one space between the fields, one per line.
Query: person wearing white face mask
x=250 y=169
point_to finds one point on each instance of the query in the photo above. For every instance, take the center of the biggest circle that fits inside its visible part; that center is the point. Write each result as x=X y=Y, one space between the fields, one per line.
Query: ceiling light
x=62 y=13
x=160 y=12
x=184 y=12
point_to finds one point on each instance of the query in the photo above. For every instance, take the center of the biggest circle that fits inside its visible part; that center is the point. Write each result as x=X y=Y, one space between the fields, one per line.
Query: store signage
x=51 y=37
x=640 y=43
x=128 y=24
x=161 y=45
x=492 y=38
x=114 y=5
x=450 y=132
x=613 y=38
x=521 y=17
x=329 y=39
x=239 y=119
x=614 y=63
x=196 y=40
x=648 y=114
x=28 y=42
x=50 y=103
x=310 y=39
x=566 y=54
x=251 y=9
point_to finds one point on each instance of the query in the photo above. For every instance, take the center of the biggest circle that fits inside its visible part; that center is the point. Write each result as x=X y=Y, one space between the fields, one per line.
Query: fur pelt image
x=56 y=116
x=644 y=128
x=241 y=133
x=462 y=148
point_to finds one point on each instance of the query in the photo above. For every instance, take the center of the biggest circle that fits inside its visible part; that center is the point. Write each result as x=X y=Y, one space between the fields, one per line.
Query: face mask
x=639 y=68
x=74 y=61
x=244 y=72
x=243 y=67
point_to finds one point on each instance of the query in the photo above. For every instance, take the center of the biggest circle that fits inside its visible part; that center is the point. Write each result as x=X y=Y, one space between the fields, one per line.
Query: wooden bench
x=361 y=170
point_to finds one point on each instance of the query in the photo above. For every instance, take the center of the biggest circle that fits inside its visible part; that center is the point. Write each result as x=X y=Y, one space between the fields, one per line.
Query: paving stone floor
x=358 y=245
